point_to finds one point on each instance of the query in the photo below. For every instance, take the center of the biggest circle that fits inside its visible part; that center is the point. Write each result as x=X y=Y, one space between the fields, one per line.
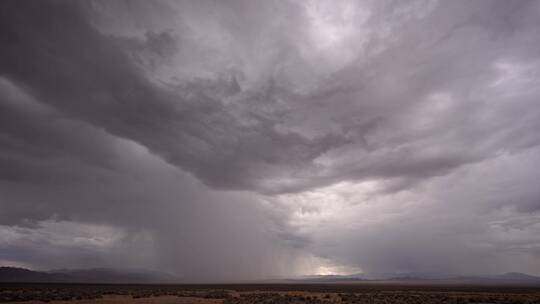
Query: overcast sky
x=238 y=140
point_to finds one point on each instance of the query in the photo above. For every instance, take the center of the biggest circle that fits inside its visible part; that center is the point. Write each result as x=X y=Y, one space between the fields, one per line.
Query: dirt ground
x=264 y=294
x=121 y=299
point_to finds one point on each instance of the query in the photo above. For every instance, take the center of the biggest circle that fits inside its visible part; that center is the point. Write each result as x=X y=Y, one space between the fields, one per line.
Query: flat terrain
x=336 y=293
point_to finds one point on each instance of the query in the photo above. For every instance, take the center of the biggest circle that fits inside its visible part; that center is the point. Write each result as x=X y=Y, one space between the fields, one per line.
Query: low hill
x=94 y=275
x=513 y=278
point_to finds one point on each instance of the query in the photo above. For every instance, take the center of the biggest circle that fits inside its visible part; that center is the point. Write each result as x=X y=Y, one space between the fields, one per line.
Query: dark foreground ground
x=332 y=293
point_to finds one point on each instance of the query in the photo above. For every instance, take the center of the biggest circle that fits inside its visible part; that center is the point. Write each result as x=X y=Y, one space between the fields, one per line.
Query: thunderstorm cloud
x=232 y=140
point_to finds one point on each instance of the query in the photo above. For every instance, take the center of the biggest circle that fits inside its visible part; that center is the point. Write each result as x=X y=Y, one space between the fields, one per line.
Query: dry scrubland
x=266 y=294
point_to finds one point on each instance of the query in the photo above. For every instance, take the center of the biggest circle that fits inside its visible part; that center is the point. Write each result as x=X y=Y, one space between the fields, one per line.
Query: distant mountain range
x=142 y=276
x=93 y=275
x=427 y=277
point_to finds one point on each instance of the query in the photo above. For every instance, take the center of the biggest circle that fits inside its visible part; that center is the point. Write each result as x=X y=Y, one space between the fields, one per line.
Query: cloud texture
x=229 y=140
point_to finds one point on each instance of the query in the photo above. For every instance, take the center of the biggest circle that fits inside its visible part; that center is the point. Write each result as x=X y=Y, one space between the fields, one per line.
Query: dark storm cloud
x=107 y=107
x=247 y=143
x=191 y=128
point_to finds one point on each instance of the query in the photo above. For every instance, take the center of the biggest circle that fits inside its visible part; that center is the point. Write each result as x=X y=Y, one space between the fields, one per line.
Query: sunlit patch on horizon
x=328 y=267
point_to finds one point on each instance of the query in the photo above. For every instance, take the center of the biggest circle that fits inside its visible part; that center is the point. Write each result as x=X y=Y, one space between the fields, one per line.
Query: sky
x=248 y=140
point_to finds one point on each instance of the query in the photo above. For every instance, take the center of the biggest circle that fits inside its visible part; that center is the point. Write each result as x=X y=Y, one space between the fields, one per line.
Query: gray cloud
x=255 y=134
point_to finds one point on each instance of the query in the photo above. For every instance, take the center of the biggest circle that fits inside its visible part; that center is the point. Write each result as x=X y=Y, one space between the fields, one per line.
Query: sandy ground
x=113 y=299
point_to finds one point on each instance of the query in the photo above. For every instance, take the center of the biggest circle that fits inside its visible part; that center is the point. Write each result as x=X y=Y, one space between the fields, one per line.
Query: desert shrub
x=217 y=294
